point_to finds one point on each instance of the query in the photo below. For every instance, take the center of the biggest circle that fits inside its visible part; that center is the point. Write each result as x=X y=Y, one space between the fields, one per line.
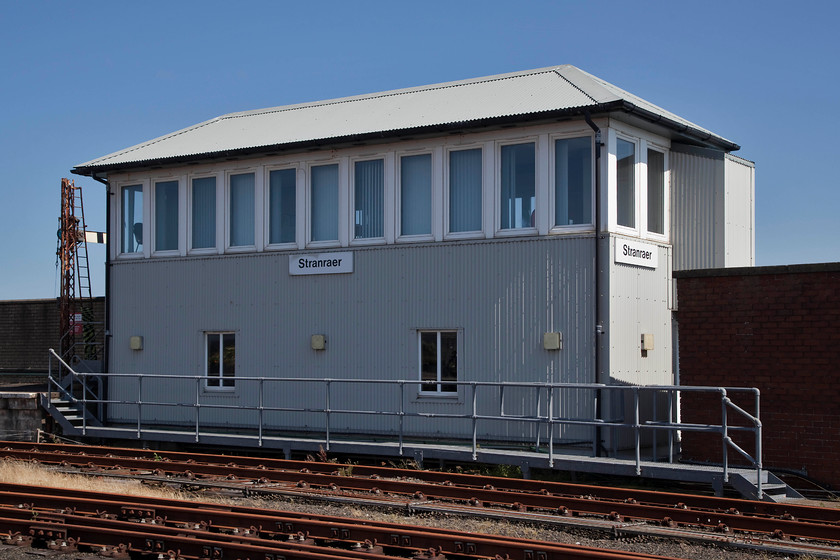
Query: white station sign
x=322 y=263
x=636 y=253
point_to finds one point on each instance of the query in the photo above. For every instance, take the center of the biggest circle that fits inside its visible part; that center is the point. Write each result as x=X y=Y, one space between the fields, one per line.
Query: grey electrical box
x=135 y=342
x=319 y=342
x=553 y=341
x=647 y=341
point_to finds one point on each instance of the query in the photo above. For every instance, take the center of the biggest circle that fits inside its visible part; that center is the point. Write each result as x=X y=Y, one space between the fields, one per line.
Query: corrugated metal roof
x=505 y=96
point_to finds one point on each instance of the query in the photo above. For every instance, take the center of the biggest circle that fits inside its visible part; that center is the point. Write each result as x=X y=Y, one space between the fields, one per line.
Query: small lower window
x=220 y=368
x=438 y=361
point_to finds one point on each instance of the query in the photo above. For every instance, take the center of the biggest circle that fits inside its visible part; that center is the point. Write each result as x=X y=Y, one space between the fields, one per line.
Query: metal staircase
x=68 y=395
x=772 y=487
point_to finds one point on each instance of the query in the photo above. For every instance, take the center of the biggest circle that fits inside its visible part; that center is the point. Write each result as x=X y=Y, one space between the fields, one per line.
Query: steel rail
x=695 y=502
x=94 y=533
x=488 y=496
x=79 y=511
x=805 y=522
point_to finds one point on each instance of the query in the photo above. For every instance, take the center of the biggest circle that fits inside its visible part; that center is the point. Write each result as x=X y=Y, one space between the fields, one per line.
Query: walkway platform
x=565 y=460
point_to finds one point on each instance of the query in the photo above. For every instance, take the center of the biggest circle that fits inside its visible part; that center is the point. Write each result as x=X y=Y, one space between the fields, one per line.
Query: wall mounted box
x=318 y=342
x=553 y=341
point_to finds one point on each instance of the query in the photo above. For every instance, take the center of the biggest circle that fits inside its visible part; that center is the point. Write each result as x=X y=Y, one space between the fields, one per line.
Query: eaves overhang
x=693 y=135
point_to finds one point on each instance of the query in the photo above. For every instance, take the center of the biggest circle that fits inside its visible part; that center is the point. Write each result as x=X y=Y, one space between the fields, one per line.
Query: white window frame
x=220 y=211
x=474 y=234
x=552 y=185
x=181 y=233
x=642 y=142
x=221 y=388
x=433 y=208
x=386 y=208
x=266 y=203
x=666 y=202
x=258 y=211
x=637 y=177
x=458 y=368
x=343 y=210
x=497 y=187
x=146 y=252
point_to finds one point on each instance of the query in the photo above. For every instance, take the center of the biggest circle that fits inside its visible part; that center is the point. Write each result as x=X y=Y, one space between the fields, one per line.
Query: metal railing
x=482 y=407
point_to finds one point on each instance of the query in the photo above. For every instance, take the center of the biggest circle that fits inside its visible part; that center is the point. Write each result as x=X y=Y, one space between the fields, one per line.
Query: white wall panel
x=740 y=212
x=501 y=295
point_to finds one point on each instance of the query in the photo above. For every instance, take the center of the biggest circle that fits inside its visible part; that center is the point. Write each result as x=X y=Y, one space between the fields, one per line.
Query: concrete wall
x=20 y=416
x=28 y=329
x=774 y=328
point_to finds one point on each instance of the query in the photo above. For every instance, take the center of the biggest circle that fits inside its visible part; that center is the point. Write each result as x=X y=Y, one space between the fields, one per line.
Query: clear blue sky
x=83 y=79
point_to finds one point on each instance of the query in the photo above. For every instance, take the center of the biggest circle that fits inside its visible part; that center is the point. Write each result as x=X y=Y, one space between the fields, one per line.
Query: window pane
x=213 y=362
x=242 y=210
x=324 y=200
x=656 y=192
x=428 y=361
x=369 y=181
x=166 y=216
x=281 y=217
x=626 y=183
x=416 y=194
x=204 y=213
x=465 y=190
x=518 y=185
x=573 y=181
x=131 y=239
x=448 y=361
x=228 y=359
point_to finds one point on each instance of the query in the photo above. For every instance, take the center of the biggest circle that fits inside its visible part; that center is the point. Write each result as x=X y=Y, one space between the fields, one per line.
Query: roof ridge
x=395 y=93
x=574 y=85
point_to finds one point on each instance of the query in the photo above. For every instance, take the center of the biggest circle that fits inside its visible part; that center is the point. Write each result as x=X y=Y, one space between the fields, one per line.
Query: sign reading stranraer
x=636 y=253
x=322 y=263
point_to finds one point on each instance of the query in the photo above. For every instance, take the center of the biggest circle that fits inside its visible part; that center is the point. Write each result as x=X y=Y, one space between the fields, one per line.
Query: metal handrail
x=543 y=420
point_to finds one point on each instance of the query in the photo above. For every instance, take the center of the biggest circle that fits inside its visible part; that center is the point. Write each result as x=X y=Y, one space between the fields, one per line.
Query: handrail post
x=197 y=406
x=637 y=430
x=725 y=432
x=758 y=450
x=671 y=433
x=402 y=414
x=327 y=412
x=139 y=404
x=539 y=407
x=49 y=380
x=655 y=419
x=474 y=424
x=262 y=404
x=595 y=429
x=84 y=405
x=551 y=426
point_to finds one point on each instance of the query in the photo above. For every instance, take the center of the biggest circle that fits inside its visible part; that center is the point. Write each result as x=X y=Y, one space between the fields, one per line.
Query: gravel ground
x=647 y=545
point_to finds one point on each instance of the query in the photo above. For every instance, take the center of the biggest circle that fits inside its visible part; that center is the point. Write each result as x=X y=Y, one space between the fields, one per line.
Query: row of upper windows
x=302 y=205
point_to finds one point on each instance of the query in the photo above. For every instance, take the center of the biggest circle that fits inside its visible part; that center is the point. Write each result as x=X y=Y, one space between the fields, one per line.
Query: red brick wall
x=28 y=329
x=777 y=329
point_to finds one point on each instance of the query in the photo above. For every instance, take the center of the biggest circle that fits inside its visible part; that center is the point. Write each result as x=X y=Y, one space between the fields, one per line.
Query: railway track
x=122 y=527
x=452 y=492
